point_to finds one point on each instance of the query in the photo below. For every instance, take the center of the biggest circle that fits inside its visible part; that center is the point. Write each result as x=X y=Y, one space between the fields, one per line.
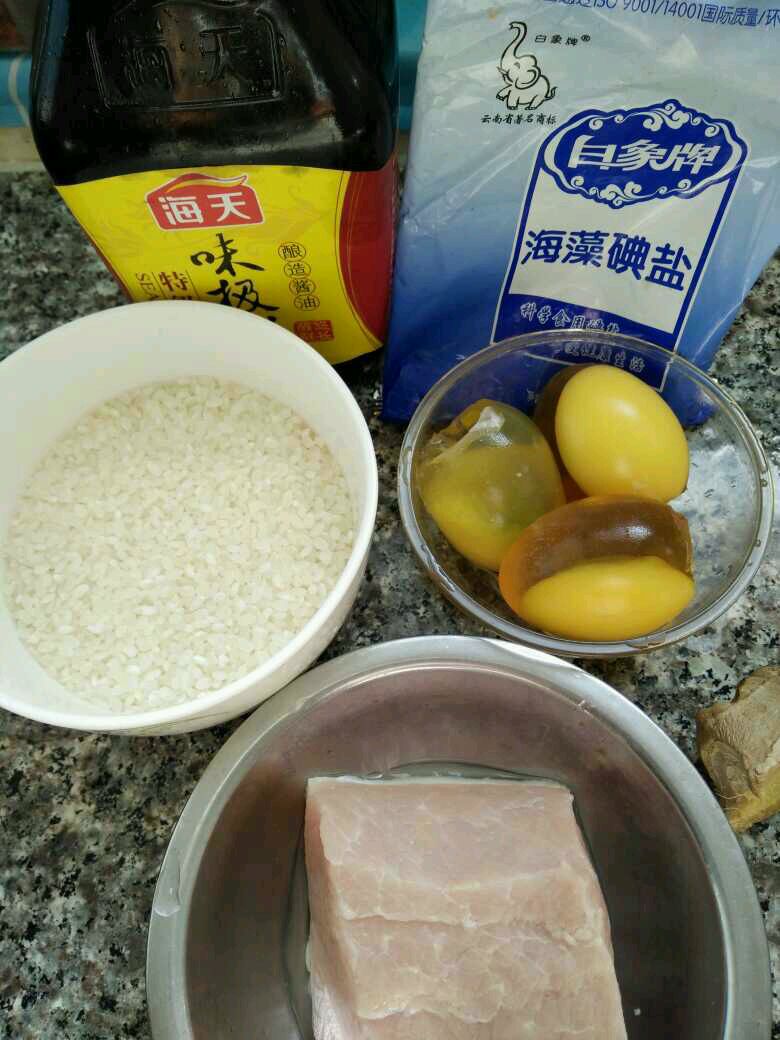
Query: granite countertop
x=85 y=818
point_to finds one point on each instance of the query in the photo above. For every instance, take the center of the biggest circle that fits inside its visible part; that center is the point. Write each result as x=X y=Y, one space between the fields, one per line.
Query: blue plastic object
x=14 y=89
x=411 y=22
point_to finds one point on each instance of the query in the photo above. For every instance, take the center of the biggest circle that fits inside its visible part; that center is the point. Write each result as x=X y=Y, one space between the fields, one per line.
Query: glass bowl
x=728 y=501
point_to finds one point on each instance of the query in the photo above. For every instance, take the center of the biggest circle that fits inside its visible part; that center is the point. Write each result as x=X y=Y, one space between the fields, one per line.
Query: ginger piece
x=739 y=744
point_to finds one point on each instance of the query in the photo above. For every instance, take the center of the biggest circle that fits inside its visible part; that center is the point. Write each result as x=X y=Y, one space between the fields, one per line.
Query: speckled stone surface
x=85 y=819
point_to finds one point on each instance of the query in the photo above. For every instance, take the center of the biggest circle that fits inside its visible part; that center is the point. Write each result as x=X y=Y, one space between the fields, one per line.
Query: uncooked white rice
x=174 y=539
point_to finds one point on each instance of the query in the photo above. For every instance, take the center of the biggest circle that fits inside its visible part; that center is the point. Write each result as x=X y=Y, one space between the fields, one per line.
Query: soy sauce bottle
x=240 y=152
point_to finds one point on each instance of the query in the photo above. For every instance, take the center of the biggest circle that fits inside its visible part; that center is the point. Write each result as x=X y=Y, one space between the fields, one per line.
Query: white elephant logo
x=524 y=84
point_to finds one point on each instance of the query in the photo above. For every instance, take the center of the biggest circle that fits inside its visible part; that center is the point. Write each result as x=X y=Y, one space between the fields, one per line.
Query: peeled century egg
x=606 y=568
x=616 y=436
x=485 y=477
x=544 y=417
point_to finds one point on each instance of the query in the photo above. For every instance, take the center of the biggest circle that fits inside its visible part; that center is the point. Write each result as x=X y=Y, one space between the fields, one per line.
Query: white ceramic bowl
x=47 y=385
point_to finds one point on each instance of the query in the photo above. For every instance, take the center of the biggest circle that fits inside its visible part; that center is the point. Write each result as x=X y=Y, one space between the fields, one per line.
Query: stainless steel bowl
x=228 y=926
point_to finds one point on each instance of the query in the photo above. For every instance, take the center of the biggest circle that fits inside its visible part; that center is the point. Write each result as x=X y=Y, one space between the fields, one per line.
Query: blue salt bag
x=599 y=164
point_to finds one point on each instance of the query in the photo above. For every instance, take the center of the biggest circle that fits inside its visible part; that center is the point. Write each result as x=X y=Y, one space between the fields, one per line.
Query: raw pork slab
x=455 y=910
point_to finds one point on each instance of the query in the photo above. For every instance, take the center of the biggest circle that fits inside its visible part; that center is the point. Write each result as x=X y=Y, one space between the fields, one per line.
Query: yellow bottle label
x=308 y=248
